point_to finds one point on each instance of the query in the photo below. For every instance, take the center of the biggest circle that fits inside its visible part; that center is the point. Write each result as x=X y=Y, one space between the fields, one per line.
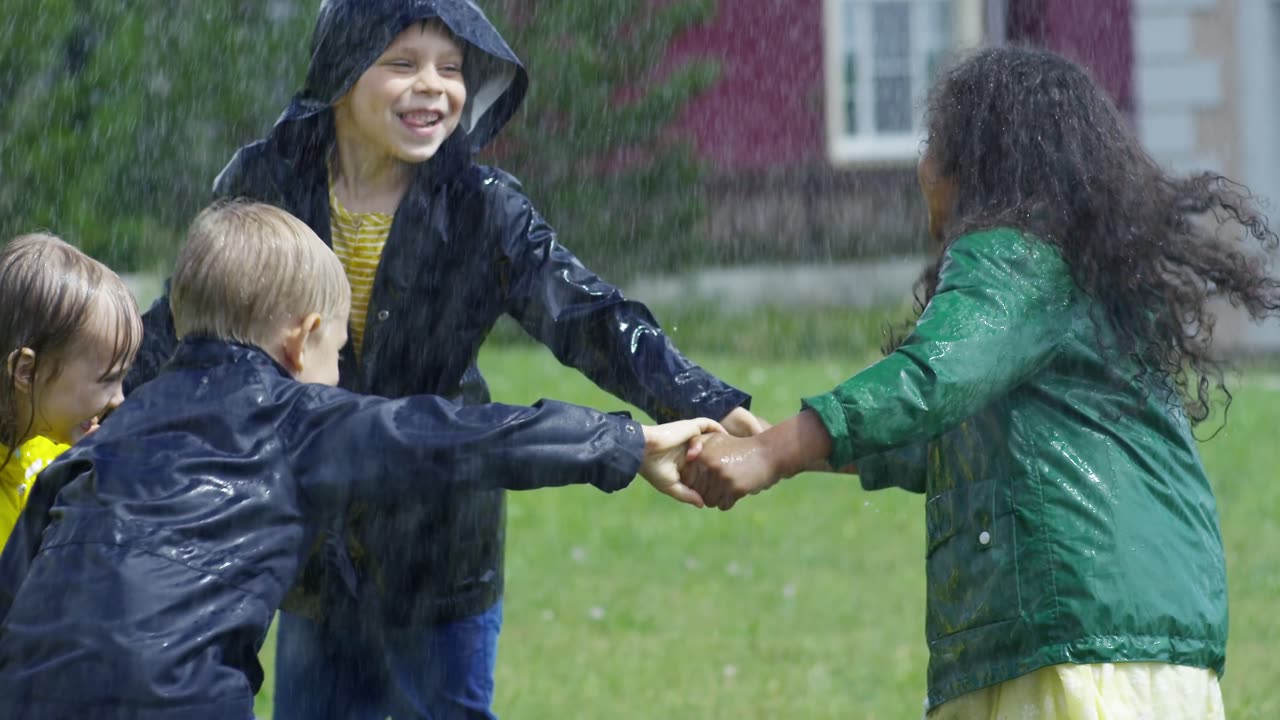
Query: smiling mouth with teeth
x=421 y=119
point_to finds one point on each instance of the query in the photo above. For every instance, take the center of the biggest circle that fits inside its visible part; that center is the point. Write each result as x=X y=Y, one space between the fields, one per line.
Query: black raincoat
x=146 y=568
x=465 y=248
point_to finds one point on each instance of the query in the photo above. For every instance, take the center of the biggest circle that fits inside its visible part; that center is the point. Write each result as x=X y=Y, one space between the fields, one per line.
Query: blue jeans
x=355 y=672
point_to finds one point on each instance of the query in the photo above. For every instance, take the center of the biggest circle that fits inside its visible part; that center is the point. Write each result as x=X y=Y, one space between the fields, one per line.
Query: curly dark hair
x=1032 y=143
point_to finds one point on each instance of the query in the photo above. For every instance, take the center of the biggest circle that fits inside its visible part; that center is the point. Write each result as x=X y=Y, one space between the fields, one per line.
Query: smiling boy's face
x=410 y=100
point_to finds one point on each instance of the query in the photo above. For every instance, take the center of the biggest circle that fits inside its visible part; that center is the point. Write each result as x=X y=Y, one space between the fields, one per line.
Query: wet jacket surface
x=466 y=247
x=143 y=575
x=1067 y=513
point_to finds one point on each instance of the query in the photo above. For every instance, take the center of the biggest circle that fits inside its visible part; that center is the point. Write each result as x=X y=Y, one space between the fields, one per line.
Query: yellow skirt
x=1110 y=691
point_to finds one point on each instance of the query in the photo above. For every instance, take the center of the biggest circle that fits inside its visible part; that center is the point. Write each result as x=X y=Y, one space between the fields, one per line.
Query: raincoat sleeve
x=1001 y=308
x=348 y=447
x=904 y=467
x=589 y=325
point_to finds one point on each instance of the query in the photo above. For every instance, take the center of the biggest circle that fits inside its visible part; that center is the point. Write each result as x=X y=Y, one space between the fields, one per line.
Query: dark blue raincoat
x=465 y=248
x=143 y=575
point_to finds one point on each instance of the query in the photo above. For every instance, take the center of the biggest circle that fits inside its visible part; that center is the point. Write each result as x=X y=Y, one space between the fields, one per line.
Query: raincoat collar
x=203 y=351
x=351 y=34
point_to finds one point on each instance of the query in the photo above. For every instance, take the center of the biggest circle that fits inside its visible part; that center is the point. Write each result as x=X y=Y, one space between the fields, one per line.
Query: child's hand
x=741 y=423
x=85 y=429
x=665 y=449
x=724 y=469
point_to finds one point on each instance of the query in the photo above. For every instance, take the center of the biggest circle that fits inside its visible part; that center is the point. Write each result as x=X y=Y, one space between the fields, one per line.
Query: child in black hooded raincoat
x=376 y=155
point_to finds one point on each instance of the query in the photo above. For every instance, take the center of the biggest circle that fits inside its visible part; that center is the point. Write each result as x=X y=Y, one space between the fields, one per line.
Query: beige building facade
x=1207 y=76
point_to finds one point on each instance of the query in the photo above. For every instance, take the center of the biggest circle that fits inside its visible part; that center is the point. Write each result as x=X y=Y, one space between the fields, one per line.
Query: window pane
x=851 y=93
x=891 y=26
x=893 y=104
x=939 y=40
x=850 y=24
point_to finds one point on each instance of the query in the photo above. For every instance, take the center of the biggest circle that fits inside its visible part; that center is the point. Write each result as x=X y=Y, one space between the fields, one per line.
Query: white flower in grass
x=733 y=568
x=691 y=563
x=730 y=672
x=789 y=590
x=578 y=553
x=819 y=678
x=596 y=613
x=548 y=615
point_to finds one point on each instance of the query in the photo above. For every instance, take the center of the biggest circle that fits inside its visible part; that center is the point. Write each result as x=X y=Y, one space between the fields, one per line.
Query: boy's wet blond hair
x=249 y=268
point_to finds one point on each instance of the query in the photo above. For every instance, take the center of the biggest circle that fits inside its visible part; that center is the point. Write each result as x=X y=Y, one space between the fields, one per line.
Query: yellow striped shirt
x=358 y=239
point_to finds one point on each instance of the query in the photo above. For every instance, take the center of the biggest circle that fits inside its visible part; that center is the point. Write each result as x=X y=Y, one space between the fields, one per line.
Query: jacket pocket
x=970 y=560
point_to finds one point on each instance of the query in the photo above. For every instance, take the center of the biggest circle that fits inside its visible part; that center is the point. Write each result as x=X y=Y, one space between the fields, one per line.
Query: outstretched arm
x=589 y=325
x=1003 y=306
x=1001 y=309
x=347 y=446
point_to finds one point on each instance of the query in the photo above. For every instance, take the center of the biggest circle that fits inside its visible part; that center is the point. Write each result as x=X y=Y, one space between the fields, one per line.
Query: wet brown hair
x=1032 y=143
x=47 y=289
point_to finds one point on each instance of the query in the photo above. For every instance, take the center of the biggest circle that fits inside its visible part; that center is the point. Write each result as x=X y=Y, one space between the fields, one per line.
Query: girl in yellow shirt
x=68 y=330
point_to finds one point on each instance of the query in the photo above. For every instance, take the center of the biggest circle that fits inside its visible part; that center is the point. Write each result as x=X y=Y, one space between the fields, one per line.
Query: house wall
x=1201 y=79
x=1094 y=33
x=1186 y=87
x=1258 y=37
x=1208 y=73
x=1257 y=78
x=765 y=111
x=761 y=132
x=772 y=192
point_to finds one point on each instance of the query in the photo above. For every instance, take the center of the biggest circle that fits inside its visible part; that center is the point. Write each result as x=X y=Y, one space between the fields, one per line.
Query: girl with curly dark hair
x=1043 y=404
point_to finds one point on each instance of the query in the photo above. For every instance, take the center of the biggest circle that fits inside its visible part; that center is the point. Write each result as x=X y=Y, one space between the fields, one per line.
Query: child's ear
x=294 y=344
x=22 y=368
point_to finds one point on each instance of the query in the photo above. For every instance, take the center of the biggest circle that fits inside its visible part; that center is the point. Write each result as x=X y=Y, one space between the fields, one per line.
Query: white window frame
x=869 y=146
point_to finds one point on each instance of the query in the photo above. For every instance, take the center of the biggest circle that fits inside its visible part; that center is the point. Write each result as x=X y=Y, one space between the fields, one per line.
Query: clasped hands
x=702 y=462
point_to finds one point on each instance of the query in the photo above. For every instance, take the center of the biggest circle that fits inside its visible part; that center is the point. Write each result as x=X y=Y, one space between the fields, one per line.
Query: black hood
x=351 y=34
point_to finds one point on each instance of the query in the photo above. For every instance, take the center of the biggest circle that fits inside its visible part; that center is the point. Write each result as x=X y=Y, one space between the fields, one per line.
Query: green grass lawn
x=806 y=602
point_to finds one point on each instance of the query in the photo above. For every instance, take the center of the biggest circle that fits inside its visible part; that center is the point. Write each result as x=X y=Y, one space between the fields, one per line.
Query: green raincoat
x=1068 y=515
